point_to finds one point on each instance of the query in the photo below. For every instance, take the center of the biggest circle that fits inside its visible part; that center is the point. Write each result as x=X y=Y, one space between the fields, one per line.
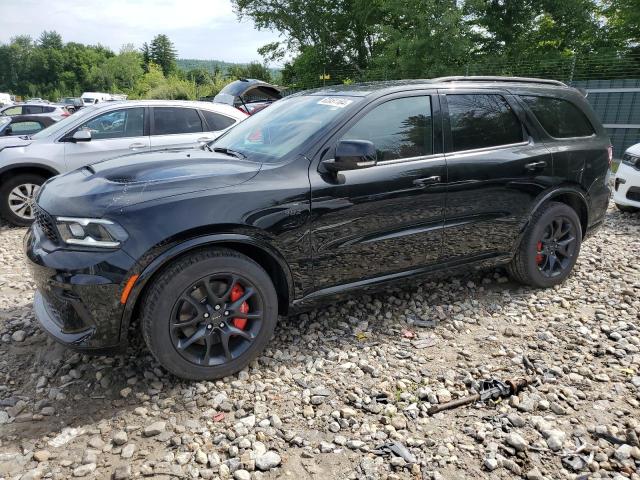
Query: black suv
x=323 y=193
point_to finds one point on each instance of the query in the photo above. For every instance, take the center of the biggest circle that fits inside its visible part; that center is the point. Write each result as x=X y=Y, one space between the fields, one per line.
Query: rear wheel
x=627 y=208
x=17 y=198
x=549 y=248
x=209 y=314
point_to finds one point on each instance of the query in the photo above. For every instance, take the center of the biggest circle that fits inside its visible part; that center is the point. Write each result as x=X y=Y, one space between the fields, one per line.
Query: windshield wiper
x=228 y=151
x=206 y=145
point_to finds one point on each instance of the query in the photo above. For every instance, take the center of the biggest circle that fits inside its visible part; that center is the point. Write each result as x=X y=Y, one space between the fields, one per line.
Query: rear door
x=173 y=127
x=113 y=133
x=495 y=171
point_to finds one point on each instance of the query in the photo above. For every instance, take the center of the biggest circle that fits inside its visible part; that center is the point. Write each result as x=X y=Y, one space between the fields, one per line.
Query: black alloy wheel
x=216 y=319
x=549 y=247
x=556 y=248
x=209 y=314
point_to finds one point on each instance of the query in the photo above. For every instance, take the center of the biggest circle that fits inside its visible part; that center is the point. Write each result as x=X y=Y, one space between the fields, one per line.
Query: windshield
x=276 y=131
x=63 y=124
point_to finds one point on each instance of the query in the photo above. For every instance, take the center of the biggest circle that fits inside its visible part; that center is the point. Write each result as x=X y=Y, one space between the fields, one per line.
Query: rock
x=490 y=464
x=97 y=442
x=41 y=455
x=516 y=441
x=155 y=428
x=120 y=438
x=268 y=461
x=201 y=457
x=249 y=421
x=554 y=438
x=623 y=452
x=84 y=470
x=89 y=456
x=534 y=474
x=19 y=336
x=128 y=450
x=443 y=395
x=241 y=475
x=122 y=472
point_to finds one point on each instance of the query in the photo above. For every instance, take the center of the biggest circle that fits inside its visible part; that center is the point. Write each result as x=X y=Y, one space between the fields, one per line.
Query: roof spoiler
x=473 y=78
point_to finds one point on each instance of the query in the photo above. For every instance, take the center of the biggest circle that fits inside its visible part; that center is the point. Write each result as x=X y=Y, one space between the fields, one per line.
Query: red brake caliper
x=539 y=256
x=236 y=292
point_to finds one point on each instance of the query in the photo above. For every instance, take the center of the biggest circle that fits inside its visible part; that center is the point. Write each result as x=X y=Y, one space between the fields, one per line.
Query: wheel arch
x=570 y=196
x=263 y=254
x=24 y=168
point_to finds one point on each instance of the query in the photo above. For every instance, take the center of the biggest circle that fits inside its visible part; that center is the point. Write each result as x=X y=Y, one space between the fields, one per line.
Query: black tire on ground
x=5 y=190
x=525 y=267
x=163 y=295
x=627 y=208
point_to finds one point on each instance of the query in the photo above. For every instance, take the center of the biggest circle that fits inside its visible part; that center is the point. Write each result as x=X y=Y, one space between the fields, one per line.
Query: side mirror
x=352 y=155
x=81 y=136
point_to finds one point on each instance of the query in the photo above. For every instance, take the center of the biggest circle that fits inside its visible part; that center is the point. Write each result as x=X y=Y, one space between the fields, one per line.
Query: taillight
x=610 y=152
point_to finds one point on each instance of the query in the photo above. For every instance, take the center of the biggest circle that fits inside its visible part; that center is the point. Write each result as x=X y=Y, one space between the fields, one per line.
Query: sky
x=203 y=29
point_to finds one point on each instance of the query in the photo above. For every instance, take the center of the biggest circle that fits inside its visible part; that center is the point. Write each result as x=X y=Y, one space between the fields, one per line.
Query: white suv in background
x=626 y=193
x=99 y=132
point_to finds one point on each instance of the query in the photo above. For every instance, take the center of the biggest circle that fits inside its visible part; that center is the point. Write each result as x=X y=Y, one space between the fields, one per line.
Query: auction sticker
x=339 y=102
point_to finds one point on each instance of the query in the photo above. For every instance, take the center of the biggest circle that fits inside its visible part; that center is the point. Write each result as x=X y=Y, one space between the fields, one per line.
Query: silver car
x=95 y=133
x=56 y=112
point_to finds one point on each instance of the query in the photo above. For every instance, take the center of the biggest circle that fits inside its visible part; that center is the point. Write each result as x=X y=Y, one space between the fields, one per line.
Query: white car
x=98 y=132
x=56 y=112
x=626 y=193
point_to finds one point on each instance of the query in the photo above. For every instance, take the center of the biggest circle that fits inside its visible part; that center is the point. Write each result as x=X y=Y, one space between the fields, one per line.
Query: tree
x=252 y=70
x=163 y=53
x=50 y=39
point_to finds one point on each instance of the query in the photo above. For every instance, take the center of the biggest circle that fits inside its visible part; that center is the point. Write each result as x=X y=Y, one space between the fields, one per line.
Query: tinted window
x=48 y=109
x=560 y=118
x=480 y=121
x=117 y=124
x=12 y=111
x=25 y=128
x=30 y=109
x=399 y=128
x=215 y=121
x=170 y=120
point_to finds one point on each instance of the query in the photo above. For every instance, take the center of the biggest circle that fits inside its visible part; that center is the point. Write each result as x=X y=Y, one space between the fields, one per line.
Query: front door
x=113 y=134
x=386 y=219
x=495 y=171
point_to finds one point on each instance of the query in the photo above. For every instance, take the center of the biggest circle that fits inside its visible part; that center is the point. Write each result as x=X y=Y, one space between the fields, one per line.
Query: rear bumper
x=627 y=186
x=78 y=293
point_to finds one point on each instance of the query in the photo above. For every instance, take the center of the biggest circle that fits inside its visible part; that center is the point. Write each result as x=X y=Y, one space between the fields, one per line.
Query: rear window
x=216 y=122
x=172 y=120
x=560 y=118
x=482 y=121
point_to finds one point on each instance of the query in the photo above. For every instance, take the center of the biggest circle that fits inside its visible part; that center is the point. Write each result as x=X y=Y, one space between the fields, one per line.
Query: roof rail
x=461 y=78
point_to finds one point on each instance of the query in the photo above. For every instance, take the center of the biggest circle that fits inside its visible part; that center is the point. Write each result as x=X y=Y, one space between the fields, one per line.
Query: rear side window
x=12 y=111
x=216 y=121
x=401 y=128
x=560 y=118
x=172 y=120
x=31 y=109
x=25 y=128
x=481 y=121
x=48 y=109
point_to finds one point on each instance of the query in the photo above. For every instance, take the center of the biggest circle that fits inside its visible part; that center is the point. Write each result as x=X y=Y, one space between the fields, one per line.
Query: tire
x=627 y=208
x=19 y=184
x=191 y=277
x=531 y=264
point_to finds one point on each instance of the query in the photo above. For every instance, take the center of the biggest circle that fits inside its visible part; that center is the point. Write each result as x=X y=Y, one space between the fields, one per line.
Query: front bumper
x=78 y=292
x=627 y=186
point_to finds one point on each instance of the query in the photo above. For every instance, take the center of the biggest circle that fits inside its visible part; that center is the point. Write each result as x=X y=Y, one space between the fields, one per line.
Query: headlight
x=631 y=160
x=90 y=232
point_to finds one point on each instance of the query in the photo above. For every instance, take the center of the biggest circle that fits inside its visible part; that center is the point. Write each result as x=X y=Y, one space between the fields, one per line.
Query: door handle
x=535 y=165
x=133 y=146
x=424 y=182
x=204 y=139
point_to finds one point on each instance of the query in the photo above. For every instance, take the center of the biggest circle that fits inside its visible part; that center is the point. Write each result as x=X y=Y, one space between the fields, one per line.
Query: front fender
x=166 y=256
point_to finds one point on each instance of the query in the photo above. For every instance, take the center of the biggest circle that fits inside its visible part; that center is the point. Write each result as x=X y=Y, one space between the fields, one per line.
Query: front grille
x=634 y=194
x=44 y=221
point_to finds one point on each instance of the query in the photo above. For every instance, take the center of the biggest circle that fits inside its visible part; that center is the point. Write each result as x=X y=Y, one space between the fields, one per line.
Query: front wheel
x=209 y=314
x=17 y=198
x=550 y=247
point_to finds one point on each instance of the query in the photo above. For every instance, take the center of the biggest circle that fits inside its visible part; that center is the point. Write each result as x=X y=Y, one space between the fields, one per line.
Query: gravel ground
x=339 y=382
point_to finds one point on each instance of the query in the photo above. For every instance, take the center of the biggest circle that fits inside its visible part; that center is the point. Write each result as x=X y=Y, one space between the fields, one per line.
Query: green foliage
x=162 y=53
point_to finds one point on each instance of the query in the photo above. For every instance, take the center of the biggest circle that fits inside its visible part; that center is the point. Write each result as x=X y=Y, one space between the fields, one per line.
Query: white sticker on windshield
x=339 y=102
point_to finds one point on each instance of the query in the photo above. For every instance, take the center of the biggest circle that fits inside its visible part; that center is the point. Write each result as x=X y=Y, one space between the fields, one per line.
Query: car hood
x=13 y=141
x=112 y=185
x=634 y=149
